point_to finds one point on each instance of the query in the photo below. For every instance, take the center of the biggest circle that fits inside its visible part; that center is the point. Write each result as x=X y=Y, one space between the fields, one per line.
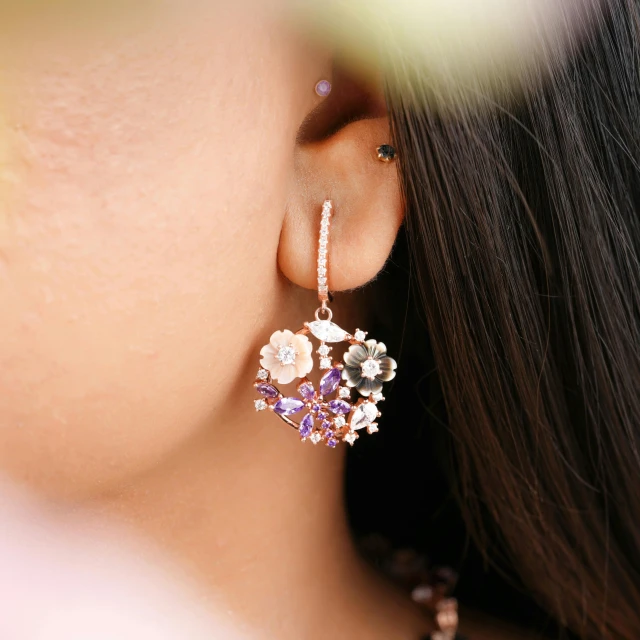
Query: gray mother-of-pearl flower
x=358 y=355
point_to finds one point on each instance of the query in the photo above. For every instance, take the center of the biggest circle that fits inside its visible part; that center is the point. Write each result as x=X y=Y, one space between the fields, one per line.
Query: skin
x=158 y=223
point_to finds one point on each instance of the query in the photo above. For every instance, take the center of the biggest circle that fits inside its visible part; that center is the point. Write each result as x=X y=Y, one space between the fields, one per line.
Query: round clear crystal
x=325 y=363
x=370 y=368
x=260 y=405
x=351 y=437
x=339 y=422
x=315 y=437
x=360 y=335
x=263 y=374
x=344 y=392
x=323 y=350
x=286 y=355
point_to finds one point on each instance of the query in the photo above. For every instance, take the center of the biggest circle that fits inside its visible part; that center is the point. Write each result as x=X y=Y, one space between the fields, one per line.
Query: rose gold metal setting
x=329 y=420
x=323 y=254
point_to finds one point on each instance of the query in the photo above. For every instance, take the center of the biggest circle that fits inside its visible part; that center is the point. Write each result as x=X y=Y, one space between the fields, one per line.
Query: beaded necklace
x=430 y=587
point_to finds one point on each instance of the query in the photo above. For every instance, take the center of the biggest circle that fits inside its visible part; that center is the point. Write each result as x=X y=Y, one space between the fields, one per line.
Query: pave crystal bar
x=323 y=247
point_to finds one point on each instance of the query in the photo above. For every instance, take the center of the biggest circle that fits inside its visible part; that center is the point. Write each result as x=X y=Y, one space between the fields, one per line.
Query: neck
x=258 y=518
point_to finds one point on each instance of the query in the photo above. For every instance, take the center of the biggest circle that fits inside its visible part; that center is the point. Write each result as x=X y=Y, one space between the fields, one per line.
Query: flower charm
x=367 y=366
x=287 y=356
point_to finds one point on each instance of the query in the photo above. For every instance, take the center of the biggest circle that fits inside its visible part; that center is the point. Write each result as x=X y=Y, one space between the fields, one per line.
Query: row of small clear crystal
x=323 y=283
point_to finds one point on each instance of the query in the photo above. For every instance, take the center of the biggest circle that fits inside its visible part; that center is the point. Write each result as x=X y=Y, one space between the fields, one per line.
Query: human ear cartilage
x=331 y=414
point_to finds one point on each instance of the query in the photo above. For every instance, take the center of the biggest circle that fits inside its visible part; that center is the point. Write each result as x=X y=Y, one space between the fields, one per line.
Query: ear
x=342 y=166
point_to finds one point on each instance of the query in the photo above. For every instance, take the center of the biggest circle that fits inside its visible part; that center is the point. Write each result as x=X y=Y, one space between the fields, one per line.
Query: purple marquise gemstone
x=306 y=426
x=339 y=406
x=306 y=390
x=267 y=390
x=288 y=406
x=330 y=381
x=332 y=442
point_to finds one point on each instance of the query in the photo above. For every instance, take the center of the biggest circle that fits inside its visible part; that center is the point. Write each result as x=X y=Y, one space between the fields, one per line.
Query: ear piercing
x=386 y=153
x=323 y=88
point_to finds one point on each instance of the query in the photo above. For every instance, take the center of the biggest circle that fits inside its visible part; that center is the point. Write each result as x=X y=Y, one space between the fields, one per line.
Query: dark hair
x=524 y=237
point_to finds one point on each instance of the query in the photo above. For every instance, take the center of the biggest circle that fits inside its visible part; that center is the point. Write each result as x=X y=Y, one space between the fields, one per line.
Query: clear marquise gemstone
x=286 y=355
x=327 y=331
x=370 y=368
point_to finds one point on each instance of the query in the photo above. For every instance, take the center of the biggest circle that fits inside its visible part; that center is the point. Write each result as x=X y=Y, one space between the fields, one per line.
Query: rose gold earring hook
x=323 y=260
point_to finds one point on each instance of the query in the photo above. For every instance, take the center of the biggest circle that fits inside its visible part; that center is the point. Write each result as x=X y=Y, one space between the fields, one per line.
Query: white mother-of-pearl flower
x=287 y=356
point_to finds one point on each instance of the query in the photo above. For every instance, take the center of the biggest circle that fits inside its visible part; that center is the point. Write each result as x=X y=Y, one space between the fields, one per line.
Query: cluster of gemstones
x=328 y=413
x=328 y=420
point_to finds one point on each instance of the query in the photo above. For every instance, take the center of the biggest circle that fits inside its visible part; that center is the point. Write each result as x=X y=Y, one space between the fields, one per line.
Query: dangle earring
x=363 y=368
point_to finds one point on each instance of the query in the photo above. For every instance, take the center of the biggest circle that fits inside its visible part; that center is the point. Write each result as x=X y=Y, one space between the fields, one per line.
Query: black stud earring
x=386 y=153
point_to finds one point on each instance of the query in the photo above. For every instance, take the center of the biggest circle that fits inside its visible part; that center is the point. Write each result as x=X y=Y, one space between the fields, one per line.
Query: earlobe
x=368 y=207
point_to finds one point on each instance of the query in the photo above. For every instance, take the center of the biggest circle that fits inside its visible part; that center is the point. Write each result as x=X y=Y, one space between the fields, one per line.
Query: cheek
x=117 y=346
x=140 y=257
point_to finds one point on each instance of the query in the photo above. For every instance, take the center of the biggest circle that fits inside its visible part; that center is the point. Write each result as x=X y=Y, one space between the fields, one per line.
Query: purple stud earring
x=323 y=88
